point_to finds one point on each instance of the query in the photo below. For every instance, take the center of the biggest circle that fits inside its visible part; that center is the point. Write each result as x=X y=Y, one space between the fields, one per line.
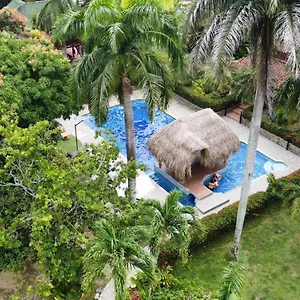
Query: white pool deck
x=148 y=189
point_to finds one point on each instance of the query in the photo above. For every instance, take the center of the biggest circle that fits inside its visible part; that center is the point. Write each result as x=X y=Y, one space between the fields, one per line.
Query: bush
x=282 y=131
x=11 y=20
x=205 y=100
x=225 y=219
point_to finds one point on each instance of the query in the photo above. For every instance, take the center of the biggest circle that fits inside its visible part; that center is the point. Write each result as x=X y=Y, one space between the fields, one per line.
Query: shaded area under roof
x=201 y=137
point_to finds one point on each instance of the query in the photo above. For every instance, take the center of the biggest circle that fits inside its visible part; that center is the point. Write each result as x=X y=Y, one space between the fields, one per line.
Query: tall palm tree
x=170 y=224
x=118 y=250
x=267 y=24
x=49 y=13
x=124 y=47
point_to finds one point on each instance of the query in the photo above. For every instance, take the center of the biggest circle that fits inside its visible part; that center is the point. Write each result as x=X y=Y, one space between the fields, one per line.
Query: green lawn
x=69 y=145
x=270 y=251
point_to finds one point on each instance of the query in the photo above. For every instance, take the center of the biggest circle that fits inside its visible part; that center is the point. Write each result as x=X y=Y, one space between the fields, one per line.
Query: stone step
x=233 y=115
x=244 y=106
x=238 y=110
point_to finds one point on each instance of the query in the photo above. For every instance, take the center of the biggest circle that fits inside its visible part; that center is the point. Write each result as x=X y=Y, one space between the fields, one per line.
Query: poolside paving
x=147 y=188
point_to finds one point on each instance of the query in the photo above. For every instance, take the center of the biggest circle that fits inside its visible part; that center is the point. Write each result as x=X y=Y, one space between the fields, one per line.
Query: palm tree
x=267 y=25
x=49 y=13
x=118 y=250
x=170 y=224
x=124 y=47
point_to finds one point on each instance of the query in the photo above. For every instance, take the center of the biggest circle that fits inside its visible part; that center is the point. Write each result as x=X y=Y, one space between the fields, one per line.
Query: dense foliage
x=34 y=76
x=49 y=202
x=11 y=20
x=284 y=131
x=213 y=101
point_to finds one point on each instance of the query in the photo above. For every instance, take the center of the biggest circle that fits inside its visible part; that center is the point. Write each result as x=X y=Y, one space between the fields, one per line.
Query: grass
x=69 y=145
x=270 y=251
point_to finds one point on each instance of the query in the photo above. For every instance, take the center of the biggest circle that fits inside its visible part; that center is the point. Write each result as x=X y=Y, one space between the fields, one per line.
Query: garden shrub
x=212 y=100
x=282 y=131
x=11 y=20
x=35 y=77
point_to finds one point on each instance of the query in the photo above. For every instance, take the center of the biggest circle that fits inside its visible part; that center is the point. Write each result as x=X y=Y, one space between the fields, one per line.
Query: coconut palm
x=267 y=25
x=124 y=47
x=118 y=250
x=170 y=224
x=49 y=13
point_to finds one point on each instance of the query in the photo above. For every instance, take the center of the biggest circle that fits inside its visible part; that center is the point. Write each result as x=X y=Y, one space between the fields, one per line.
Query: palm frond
x=202 y=9
x=69 y=26
x=49 y=13
x=119 y=273
x=233 y=30
x=287 y=98
x=143 y=17
x=288 y=33
x=102 y=87
x=233 y=277
x=100 y=11
x=295 y=208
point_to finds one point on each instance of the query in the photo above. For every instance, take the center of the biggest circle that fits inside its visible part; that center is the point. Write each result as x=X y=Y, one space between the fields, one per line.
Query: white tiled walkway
x=147 y=188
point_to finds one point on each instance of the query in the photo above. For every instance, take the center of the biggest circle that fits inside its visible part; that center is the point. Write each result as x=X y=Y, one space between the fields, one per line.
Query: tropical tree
x=119 y=250
x=267 y=25
x=287 y=100
x=49 y=13
x=124 y=47
x=170 y=225
x=34 y=76
x=50 y=202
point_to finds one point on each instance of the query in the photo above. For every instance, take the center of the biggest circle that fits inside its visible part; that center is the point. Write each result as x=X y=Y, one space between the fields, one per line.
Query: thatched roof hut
x=203 y=136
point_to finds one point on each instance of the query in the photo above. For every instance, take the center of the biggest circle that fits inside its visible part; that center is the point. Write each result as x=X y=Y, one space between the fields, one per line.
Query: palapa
x=203 y=136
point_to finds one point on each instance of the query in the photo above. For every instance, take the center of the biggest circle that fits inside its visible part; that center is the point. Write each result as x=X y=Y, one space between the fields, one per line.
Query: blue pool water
x=143 y=129
x=233 y=176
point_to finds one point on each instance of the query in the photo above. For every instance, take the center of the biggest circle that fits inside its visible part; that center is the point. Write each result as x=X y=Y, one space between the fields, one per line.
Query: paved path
x=147 y=188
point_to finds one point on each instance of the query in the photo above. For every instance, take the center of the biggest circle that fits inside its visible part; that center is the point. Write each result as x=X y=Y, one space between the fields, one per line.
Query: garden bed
x=217 y=104
x=280 y=135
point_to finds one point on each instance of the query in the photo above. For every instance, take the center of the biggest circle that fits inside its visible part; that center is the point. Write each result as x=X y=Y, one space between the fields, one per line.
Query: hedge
x=225 y=219
x=205 y=101
x=281 y=131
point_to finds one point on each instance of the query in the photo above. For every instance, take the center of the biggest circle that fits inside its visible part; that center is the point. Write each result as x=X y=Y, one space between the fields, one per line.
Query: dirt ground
x=11 y=282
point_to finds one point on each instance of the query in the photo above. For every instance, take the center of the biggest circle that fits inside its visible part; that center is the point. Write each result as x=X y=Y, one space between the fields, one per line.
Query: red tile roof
x=279 y=67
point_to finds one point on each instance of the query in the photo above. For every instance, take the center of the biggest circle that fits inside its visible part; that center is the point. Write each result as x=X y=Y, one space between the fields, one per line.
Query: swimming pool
x=233 y=176
x=144 y=129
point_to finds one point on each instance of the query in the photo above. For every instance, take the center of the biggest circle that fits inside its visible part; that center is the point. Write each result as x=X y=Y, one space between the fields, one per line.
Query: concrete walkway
x=147 y=188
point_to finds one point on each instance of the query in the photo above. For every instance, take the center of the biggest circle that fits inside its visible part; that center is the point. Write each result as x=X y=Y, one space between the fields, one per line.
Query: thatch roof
x=203 y=135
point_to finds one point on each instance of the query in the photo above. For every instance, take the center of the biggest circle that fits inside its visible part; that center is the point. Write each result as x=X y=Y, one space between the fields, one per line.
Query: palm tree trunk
x=130 y=137
x=260 y=98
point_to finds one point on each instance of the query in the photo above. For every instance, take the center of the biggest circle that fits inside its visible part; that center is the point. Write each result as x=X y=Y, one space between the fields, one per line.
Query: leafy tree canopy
x=49 y=202
x=11 y=20
x=35 y=76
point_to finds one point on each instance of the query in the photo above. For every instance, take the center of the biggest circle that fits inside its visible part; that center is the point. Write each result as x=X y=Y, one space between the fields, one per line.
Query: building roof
x=203 y=136
x=27 y=9
x=281 y=74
